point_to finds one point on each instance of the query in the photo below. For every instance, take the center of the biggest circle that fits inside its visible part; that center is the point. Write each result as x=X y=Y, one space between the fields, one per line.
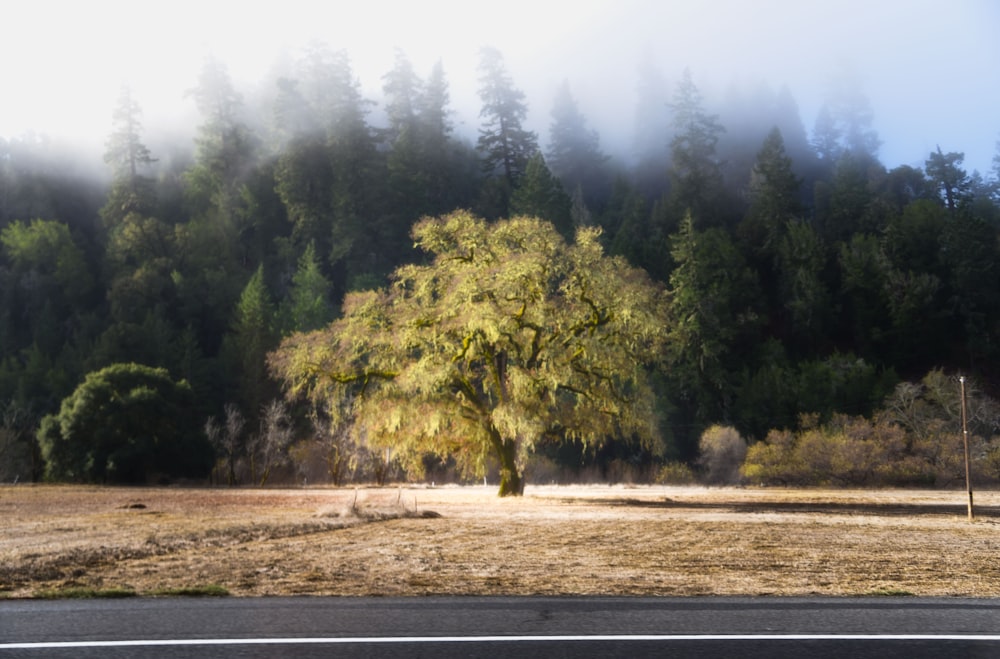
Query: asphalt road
x=501 y=627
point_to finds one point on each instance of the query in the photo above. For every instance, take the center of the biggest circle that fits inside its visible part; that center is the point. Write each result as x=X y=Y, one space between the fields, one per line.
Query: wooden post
x=965 y=441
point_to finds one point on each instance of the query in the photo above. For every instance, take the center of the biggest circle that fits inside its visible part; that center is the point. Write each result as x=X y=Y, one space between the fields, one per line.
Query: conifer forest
x=798 y=311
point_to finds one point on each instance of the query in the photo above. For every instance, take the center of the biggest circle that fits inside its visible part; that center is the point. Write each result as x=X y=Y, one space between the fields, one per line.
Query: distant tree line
x=809 y=284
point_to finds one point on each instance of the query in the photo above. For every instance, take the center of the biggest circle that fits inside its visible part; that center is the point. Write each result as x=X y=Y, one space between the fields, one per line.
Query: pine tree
x=308 y=306
x=251 y=338
x=541 y=195
x=131 y=191
x=574 y=153
x=695 y=171
x=944 y=169
x=774 y=196
x=506 y=147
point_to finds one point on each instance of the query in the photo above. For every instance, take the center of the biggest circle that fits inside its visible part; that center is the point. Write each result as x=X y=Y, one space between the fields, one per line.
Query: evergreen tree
x=506 y=147
x=308 y=306
x=774 y=196
x=405 y=161
x=695 y=171
x=844 y=124
x=945 y=172
x=653 y=129
x=540 y=195
x=131 y=191
x=574 y=153
x=713 y=319
x=225 y=148
x=251 y=338
x=826 y=137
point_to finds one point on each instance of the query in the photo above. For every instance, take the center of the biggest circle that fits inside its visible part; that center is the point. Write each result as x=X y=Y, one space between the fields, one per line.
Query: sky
x=930 y=69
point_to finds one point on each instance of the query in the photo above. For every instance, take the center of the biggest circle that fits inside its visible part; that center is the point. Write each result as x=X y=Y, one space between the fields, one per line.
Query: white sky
x=930 y=68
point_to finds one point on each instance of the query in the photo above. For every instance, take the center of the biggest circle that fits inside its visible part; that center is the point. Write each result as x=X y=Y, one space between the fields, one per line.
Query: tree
x=800 y=262
x=574 y=153
x=849 y=119
x=653 y=130
x=774 y=195
x=131 y=191
x=509 y=337
x=695 y=171
x=252 y=337
x=225 y=146
x=506 y=146
x=944 y=170
x=308 y=305
x=227 y=439
x=713 y=314
x=125 y=423
x=541 y=195
x=50 y=284
x=269 y=447
x=19 y=454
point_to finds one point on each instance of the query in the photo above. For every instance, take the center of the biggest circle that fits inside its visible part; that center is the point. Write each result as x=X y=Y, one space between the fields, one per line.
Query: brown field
x=451 y=540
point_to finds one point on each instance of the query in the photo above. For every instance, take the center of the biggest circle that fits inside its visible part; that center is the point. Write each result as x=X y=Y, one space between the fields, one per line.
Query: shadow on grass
x=818 y=507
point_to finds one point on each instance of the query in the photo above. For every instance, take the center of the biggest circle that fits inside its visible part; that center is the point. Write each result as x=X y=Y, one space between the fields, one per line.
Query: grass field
x=61 y=541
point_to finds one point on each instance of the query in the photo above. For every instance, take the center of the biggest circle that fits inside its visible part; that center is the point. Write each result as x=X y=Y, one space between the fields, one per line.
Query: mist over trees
x=806 y=279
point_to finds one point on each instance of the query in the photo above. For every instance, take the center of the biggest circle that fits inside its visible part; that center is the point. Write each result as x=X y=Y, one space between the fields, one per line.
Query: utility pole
x=965 y=440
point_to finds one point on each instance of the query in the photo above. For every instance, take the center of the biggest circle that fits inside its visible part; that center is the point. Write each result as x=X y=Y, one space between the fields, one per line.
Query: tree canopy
x=507 y=338
x=126 y=423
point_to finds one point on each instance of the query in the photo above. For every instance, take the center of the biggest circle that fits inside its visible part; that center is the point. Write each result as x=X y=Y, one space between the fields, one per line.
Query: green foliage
x=695 y=170
x=540 y=194
x=507 y=337
x=131 y=191
x=253 y=335
x=948 y=177
x=801 y=262
x=780 y=390
x=838 y=274
x=574 y=152
x=45 y=251
x=126 y=423
x=713 y=311
x=308 y=304
x=505 y=145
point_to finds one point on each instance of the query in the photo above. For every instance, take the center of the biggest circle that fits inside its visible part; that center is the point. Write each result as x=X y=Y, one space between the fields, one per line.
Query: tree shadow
x=806 y=507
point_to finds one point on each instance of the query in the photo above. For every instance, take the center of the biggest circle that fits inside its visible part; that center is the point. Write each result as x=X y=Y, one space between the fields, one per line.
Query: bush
x=854 y=451
x=126 y=423
x=722 y=451
x=675 y=473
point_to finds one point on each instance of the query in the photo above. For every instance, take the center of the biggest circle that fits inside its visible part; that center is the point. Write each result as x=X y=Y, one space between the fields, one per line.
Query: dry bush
x=859 y=452
x=676 y=473
x=722 y=451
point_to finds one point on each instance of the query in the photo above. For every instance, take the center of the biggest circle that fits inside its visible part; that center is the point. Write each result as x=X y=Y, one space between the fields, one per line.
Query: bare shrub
x=269 y=447
x=722 y=451
x=18 y=448
x=227 y=440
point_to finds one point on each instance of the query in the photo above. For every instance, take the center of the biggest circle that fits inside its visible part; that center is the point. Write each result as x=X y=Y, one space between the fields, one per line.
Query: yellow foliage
x=508 y=335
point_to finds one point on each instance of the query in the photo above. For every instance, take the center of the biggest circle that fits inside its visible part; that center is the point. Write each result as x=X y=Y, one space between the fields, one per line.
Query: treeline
x=807 y=278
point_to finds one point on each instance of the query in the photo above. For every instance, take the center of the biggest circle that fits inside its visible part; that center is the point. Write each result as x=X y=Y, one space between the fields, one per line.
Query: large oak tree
x=505 y=338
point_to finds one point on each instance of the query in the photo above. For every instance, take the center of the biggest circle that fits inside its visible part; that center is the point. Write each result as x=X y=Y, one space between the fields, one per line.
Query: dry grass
x=555 y=540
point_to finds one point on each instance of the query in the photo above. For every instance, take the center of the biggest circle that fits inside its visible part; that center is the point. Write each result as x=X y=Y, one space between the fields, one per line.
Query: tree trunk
x=511 y=480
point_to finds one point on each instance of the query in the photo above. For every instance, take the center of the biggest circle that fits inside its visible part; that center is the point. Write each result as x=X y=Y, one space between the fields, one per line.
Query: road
x=443 y=627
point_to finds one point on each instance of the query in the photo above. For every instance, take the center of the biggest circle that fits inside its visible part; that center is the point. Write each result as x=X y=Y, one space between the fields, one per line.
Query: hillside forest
x=821 y=303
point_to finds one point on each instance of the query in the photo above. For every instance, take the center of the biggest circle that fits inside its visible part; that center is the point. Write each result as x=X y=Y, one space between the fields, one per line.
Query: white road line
x=989 y=638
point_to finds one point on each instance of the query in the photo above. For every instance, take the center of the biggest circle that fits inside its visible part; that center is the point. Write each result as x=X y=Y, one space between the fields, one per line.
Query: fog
x=930 y=70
